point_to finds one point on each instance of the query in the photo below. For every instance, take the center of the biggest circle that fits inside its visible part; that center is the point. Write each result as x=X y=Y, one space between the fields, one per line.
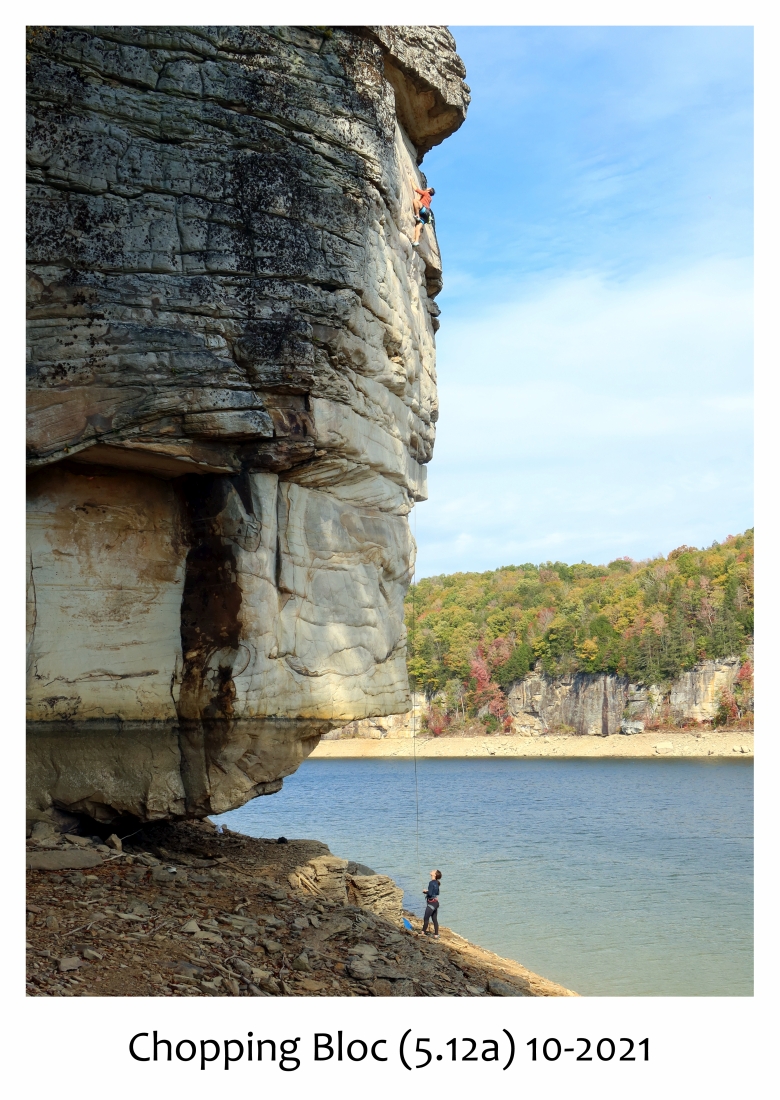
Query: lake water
x=612 y=877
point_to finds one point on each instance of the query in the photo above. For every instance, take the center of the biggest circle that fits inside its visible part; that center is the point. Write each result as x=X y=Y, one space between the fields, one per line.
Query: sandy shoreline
x=724 y=744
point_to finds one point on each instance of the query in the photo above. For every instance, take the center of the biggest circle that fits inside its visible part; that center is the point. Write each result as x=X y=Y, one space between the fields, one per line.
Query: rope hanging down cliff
x=414 y=694
x=422 y=216
x=414 y=702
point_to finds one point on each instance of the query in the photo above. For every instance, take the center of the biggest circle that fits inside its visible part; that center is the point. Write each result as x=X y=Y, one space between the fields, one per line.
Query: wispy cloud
x=610 y=148
x=688 y=325
x=596 y=417
x=594 y=359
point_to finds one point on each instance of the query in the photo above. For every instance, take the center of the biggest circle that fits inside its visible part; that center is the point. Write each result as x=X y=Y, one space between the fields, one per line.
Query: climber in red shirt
x=422 y=212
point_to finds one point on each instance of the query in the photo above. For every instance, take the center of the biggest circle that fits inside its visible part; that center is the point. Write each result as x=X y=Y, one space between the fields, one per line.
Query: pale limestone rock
x=43 y=831
x=232 y=398
x=330 y=878
x=586 y=703
x=105 y=579
x=394 y=726
x=630 y=728
x=509 y=989
x=62 y=861
x=696 y=694
x=377 y=893
x=323 y=876
x=599 y=704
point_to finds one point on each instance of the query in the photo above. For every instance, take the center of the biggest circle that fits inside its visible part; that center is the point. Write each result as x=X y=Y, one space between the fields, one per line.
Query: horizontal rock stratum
x=232 y=398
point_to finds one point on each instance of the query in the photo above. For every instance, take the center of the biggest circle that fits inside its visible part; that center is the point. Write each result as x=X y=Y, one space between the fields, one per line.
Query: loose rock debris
x=181 y=911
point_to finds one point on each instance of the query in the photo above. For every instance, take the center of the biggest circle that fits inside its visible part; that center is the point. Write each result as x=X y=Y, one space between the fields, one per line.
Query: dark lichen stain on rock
x=211 y=603
x=224 y=309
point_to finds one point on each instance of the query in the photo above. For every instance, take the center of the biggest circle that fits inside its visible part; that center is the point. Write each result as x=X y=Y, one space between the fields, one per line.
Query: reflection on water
x=609 y=876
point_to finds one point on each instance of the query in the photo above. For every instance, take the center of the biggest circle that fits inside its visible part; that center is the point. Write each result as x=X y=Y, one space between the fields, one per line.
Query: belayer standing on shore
x=432 y=906
x=422 y=212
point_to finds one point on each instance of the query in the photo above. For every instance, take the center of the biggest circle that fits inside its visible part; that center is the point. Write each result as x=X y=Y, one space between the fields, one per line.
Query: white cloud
x=597 y=417
x=696 y=320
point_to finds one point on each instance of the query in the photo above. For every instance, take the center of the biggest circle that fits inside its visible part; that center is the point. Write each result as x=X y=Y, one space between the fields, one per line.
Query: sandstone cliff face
x=232 y=398
x=404 y=726
x=584 y=704
x=590 y=704
x=601 y=705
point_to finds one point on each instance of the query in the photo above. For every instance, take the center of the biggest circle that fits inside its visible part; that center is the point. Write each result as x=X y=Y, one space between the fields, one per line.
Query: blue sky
x=595 y=357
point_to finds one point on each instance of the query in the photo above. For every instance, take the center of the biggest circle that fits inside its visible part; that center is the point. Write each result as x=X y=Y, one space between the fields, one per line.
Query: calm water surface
x=613 y=877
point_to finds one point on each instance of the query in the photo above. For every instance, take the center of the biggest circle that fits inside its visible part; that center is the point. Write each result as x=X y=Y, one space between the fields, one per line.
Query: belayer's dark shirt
x=433 y=889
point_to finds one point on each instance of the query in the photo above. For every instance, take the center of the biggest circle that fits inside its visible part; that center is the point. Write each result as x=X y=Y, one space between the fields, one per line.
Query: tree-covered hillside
x=471 y=634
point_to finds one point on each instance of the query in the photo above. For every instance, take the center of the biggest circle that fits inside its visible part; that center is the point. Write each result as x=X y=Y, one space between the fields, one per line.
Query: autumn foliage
x=471 y=634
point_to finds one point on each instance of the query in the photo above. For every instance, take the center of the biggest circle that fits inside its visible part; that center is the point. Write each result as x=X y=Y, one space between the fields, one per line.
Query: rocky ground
x=661 y=742
x=181 y=911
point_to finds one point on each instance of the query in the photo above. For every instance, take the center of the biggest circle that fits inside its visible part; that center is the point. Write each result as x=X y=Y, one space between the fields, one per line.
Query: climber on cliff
x=422 y=212
x=432 y=904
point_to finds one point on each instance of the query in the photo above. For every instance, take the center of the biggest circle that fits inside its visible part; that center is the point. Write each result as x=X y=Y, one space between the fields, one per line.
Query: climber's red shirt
x=425 y=197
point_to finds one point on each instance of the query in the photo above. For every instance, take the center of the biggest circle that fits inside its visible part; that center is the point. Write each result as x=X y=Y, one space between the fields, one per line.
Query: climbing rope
x=414 y=720
x=414 y=695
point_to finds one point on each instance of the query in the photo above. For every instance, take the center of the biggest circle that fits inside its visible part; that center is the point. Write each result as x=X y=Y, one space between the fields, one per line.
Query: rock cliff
x=232 y=398
x=591 y=704
x=602 y=705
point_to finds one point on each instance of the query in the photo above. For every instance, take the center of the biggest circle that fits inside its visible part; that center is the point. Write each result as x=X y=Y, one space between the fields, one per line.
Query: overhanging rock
x=232 y=399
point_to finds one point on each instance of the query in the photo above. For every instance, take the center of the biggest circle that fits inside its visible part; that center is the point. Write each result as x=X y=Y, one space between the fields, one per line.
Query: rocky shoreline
x=179 y=910
x=726 y=744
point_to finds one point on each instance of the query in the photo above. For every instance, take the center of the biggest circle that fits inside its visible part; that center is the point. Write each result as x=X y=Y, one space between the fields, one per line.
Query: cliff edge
x=232 y=399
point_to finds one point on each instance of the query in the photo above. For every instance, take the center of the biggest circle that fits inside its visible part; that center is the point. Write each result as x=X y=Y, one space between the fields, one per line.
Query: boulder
x=354 y=868
x=323 y=876
x=360 y=969
x=73 y=860
x=70 y=962
x=506 y=989
x=629 y=728
x=376 y=893
x=165 y=876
